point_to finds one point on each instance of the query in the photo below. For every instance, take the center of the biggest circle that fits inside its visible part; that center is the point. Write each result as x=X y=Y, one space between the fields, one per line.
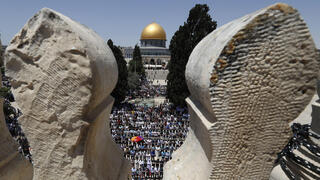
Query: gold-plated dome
x=153 y=31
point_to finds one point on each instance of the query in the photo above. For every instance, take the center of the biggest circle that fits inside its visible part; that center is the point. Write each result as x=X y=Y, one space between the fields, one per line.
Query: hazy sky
x=123 y=20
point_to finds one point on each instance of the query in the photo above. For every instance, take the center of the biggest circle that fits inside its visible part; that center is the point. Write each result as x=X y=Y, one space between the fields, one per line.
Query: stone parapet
x=62 y=74
x=248 y=80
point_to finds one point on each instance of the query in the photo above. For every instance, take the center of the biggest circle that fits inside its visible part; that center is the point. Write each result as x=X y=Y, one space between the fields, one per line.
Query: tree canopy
x=1 y=55
x=120 y=91
x=136 y=65
x=133 y=81
x=198 y=25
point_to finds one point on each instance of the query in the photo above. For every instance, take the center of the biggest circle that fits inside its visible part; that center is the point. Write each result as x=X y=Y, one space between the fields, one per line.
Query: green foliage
x=133 y=81
x=136 y=65
x=1 y=54
x=120 y=91
x=4 y=92
x=198 y=25
x=2 y=69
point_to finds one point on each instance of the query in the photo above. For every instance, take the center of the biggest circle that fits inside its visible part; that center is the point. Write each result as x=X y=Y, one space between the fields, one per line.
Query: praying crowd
x=11 y=115
x=146 y=90
x=156 y=74
x=148 y=135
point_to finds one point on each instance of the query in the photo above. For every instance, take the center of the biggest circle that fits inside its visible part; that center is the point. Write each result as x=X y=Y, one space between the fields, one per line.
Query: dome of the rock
x=152 y=47
x=153 y=31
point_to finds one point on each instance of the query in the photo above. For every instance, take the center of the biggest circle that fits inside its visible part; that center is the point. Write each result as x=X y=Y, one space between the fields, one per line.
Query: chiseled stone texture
x=62 y=74
x=13 y=165
x=251 y=77
x=309 y=116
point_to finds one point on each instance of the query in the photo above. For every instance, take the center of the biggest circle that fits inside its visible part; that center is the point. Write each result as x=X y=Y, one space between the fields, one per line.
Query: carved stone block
x=250 y=78
x=62 y=76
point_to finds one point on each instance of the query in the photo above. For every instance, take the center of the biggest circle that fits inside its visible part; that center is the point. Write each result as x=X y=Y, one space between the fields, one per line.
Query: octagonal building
x=153 y=49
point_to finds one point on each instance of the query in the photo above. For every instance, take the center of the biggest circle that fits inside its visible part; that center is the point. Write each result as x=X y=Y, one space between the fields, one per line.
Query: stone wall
x=248 y=80
x=62 y=74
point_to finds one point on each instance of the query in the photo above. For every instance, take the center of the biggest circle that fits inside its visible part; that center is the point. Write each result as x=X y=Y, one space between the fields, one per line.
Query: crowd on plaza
x=156 y=74
x=161 y=130
x=11 y=115
x=146 y=90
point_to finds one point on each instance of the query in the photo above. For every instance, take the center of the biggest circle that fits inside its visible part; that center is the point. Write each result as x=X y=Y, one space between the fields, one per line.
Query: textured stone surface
x=13 y=165
x=309 y=116
x=252 y=77
x=305 y=117
x=62 y=76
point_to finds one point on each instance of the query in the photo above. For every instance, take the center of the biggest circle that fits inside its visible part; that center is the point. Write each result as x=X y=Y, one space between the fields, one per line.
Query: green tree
x=198 y=25
x=136 y=65
x=133 y=81
x=1 y=58
x=120 y=91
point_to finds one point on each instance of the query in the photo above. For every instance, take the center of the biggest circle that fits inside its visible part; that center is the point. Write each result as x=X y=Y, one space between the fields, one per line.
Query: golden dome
x=153 y=31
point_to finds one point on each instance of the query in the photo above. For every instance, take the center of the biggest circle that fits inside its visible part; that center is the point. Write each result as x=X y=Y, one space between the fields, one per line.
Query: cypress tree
x=120 y=91
x=198 y=25
x=136 y=65
x=1 y=58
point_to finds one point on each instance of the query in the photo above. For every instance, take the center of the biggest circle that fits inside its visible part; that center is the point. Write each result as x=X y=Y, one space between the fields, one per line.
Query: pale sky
x=123 y=20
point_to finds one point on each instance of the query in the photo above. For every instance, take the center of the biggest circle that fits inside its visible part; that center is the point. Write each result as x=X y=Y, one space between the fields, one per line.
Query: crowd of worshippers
x=11 y=115
x=146 y=90
x=160 y=130
x=156 y=74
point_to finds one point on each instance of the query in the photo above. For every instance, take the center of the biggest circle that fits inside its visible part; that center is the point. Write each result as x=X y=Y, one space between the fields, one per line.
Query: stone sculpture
x=13 y=165
x=62 y=76
x=248 y=80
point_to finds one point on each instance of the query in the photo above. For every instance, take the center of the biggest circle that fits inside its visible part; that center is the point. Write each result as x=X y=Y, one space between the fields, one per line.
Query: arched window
x=152 y=62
